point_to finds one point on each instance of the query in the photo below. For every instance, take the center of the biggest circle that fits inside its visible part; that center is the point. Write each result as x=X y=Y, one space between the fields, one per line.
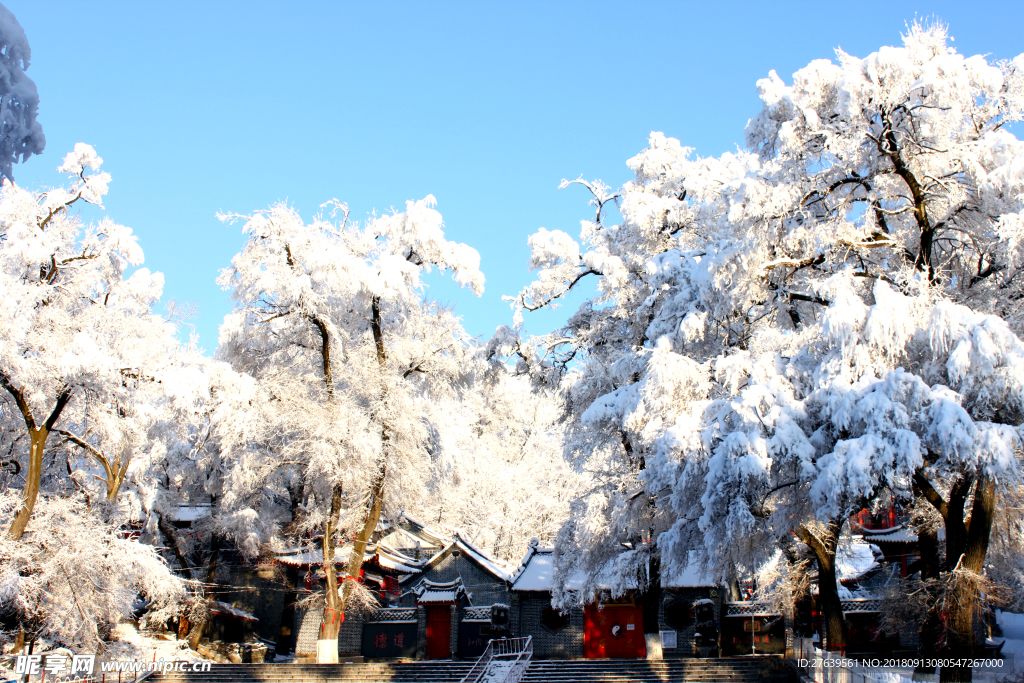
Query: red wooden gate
x=439 y=632
x=616 y=631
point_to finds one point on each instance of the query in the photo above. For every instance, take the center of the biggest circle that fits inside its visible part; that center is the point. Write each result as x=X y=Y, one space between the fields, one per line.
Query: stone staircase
x=726 y=670
x=439 y=671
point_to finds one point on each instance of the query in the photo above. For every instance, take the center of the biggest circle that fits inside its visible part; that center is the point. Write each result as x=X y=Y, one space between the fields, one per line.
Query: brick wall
x=685 y=637
x=527 y=609
x=308 y=628
x=350 y=637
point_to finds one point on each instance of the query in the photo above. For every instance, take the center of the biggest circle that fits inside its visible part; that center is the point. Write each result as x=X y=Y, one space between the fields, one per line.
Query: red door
x=617 y=631
x=439 y=632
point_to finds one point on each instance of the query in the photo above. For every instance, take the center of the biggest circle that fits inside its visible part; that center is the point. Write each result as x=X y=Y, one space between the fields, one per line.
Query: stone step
x=722 y=670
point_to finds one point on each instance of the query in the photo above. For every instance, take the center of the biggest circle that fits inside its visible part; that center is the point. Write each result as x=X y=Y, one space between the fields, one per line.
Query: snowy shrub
x=71 y=575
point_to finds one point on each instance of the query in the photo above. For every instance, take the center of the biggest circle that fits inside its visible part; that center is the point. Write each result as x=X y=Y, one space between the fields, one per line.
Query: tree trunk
x=828 y=592
x=33 y=478
x=216 y=542
x=334 y=608
x=963 y=604
x=37 y=441
x=652 y=596
x=734 y=590
x=197 y=633
x=373 y=512
x=199 y=628
x=956 y=528
x=375 y=504
x=831 y=606
x=286 y=638
x=929 y=632
x=167 y=529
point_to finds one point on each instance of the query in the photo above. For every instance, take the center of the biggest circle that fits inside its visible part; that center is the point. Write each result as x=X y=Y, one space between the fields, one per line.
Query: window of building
x=554 y=620
x=679 y=615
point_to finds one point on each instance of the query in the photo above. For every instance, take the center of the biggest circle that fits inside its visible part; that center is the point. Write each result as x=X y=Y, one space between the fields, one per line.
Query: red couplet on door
x=617 y=631
x=439 y=632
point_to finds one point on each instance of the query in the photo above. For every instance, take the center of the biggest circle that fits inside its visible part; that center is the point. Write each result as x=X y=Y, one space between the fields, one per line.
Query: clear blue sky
x=199 y=107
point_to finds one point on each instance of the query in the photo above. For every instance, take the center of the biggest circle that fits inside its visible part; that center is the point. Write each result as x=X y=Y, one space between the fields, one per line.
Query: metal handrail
x=521 y=649
x=522 y=662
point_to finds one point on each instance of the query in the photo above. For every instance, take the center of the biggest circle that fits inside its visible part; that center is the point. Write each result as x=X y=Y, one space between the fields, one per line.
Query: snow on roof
x=190 y=513
x=419 y=530
x=897 y=534
x=397 y=537
x=218 y=607
x=389 y=558
x=690 y=576
x=439 y=592
x=314 y=556
x=428 y=597
x=538 y=570
x=474 y=554
x=855 y=559
x=481 y=558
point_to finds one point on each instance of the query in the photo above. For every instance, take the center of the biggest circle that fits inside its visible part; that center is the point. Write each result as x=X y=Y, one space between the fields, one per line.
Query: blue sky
x=215 y=106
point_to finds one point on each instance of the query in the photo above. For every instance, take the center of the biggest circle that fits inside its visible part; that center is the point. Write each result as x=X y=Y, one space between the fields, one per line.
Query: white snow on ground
x=1013 y=633
x=128 y=645
x=497 y=671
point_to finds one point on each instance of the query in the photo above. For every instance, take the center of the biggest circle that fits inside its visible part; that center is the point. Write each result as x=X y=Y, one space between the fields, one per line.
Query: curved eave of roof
x=422 y=530
x=312 y=556
x=896 y=534
x=390 y=558
x=530 y=552
x=474 y=554
x=481 y=558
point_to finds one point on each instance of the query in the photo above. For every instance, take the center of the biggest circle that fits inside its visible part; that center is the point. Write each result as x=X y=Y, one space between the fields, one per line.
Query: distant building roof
x=538 y=570
x=420 y=531
x=481 y=558
x=897 y=534
x=190 y=513
x=473 y=554
x=389 y=558
x=312 y=556
x=434 y=592
x=223 y=608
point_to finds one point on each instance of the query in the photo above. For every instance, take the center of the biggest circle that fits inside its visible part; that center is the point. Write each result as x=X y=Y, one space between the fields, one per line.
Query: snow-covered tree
x=77 y=335
x=784 y=334
x=331 y=322
x=73 y=576
x=21 y=135
x=498 y=474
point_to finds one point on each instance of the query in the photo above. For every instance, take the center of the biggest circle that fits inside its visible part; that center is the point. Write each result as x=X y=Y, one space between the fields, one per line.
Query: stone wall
x=686 y=637
x=350 y=636
x=527 y=610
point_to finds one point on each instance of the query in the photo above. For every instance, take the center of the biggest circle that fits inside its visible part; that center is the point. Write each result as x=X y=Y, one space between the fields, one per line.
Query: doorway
x=439 y=632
